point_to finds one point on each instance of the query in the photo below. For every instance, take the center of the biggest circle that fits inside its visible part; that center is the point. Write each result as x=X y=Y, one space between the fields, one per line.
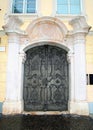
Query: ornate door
x=46 y=79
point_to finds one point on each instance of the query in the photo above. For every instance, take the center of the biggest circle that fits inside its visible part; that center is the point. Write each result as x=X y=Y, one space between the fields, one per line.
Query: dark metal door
x=46 y=79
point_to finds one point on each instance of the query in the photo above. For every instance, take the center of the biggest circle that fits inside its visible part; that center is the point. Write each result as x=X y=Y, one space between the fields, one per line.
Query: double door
x=46 y=79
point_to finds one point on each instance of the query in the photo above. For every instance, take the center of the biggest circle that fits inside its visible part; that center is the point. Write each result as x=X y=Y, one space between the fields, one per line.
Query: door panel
x=46 y=79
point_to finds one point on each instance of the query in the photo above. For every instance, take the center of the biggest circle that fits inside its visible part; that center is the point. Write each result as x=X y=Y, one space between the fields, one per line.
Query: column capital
x=12 y=25
x=80 y=25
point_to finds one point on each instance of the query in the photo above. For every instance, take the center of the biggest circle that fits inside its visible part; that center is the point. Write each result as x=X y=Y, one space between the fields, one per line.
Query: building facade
x=46 y=56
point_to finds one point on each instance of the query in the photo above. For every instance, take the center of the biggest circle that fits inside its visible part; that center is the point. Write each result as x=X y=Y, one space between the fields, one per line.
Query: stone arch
x=47 y=28
x=43 y=42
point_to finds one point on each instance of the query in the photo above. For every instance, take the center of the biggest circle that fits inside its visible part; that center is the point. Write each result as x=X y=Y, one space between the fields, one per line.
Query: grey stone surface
x=46 y=122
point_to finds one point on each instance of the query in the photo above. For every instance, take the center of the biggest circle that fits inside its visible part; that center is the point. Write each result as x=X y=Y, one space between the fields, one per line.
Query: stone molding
x=47 y=28
x=13 y=25
x=22 y=56
x=70 y=55
x=80 y=25
x=48 y=19
x=29 y=45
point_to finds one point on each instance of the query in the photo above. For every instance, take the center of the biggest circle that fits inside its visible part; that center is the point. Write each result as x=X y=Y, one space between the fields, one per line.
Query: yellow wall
x=89 y=65
x=89 y=11
x=46 y=7
x=89 y=51
x=3 y=60
x=3 y=11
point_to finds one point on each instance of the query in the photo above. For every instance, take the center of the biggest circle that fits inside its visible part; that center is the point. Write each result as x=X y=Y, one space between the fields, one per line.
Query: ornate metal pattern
x=46 y=79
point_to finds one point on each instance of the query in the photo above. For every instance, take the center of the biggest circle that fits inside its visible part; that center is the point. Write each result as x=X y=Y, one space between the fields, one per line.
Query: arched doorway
x=54 y=32
x=46 y=79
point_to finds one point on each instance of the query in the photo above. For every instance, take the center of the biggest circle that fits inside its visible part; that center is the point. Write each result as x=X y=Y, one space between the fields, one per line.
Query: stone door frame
x=50 y=31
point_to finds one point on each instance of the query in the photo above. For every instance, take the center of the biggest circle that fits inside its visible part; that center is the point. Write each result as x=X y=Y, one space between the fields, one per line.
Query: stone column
x=80 y=67
x=79 y=105
x=22 y=59
x=12 y=102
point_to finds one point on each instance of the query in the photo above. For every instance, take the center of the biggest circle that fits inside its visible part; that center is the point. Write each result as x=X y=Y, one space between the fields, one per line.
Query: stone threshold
x=45 y=112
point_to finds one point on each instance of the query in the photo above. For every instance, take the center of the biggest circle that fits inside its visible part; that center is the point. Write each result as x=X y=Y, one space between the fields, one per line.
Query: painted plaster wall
x=3 y=61
x=3 y=11
x=89 y=59
x=89 y=65
x=89 y=11
x=46 y=7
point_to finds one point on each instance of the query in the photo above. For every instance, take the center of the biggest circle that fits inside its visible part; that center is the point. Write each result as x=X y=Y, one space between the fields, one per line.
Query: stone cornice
x=24 y=17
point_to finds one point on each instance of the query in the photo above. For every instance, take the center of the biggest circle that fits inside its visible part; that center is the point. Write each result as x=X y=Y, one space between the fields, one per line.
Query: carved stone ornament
x=46 y=28
x=79 y=24
x=13 y=25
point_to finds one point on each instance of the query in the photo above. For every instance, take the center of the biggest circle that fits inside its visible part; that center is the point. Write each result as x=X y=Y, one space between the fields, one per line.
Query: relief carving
x=46 y=29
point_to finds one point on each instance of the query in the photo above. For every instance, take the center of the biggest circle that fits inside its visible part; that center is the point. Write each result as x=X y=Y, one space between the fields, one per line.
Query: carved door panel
x=46 y=79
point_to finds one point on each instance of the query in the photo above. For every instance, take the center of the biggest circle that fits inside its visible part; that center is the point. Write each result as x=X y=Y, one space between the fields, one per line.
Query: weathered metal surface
x=46 y=79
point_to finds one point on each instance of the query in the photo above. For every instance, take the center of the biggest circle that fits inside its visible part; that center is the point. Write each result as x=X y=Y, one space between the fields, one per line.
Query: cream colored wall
x=89 y=11
x=3 y=61
x=89 y=52
x=89 y=59
x=46 y=7
x=3 y=7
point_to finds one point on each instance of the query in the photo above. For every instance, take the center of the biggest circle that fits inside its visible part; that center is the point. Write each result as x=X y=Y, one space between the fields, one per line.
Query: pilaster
x=12 y=103
x=12 y=72
x=80 y=29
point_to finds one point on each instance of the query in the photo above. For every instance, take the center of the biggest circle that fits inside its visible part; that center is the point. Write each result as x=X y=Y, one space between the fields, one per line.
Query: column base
x=80 y=108
x=12 y=107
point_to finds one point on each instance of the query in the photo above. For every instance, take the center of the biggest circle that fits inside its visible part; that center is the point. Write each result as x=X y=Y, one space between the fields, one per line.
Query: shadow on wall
x=1 y=104
x=91 y=108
